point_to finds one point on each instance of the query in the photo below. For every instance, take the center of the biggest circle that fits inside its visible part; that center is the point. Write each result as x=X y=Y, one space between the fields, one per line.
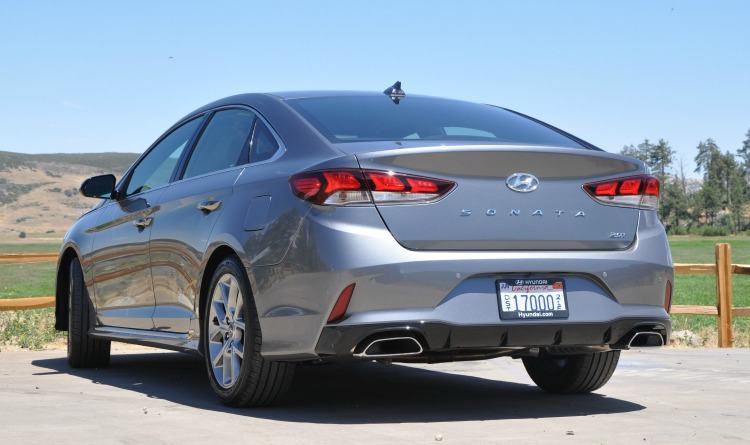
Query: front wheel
x=238 y=373
x=83 y=351
x=571 y=374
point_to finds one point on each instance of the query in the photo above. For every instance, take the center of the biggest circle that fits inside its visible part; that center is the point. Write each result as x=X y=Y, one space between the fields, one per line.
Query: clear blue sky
x=112 y=76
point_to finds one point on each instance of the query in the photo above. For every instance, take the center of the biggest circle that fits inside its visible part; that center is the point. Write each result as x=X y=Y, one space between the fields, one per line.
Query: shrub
x=28 y=329
x=712 y=231
x=677 y=230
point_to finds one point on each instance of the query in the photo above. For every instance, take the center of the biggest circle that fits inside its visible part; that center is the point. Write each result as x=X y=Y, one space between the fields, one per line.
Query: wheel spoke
x=233 y=292
x=217 y=356
x=239 y=307
x=239 y=349
x=223 y=288
x=219 y=310
x=226 y=366
x=236 y=364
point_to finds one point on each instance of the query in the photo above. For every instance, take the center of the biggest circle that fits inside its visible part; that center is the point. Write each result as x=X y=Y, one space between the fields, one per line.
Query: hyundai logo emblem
x=522 y=182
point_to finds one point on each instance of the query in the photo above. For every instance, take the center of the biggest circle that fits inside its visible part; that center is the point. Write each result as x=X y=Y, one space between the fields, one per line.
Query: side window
x=155 y=170
x=264 y=145
x=221 y=143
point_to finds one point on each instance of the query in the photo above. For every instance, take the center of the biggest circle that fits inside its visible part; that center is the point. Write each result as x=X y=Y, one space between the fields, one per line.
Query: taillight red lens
x=609 y=189
x=331 y=187
x=341 y=180
x=422 y=185
x=640 y=191
x=354 y=186
x=386 y=182
x=652 y=187
x=307 y=186
x=630 y=187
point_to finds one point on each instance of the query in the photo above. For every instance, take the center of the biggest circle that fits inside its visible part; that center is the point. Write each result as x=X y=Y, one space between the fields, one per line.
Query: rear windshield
x=374 y=118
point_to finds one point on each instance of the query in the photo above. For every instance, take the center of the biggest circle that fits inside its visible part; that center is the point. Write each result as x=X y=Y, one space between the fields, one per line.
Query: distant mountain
x=39 y=193
x=115 y=163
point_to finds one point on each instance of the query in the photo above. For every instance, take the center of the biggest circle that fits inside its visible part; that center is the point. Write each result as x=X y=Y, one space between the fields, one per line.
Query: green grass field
x=37 y=279
x=701 y=289
x=29 y=248
x=28 y=329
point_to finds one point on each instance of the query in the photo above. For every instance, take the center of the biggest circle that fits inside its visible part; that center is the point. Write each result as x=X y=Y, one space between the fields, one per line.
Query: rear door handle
x=143 y=222
x=209 y=206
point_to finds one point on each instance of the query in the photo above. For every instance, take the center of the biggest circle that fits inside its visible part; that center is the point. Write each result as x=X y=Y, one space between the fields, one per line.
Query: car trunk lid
x=491 y=209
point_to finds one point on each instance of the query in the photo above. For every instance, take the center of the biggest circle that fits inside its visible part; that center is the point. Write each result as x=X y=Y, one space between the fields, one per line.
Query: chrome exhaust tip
x=646 y=340
x=392 y=347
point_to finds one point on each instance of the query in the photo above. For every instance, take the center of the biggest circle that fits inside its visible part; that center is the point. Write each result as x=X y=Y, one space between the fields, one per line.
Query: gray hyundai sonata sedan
x=267 y=230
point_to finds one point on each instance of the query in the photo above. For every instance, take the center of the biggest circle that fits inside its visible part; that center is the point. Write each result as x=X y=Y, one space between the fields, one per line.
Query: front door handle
x=209 y=206
x=142 y=223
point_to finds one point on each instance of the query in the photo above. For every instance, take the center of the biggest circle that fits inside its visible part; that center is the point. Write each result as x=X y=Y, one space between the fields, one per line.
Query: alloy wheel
x=226 y=330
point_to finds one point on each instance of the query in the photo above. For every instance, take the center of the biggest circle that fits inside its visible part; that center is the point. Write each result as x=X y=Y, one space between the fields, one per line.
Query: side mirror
x=102 y=187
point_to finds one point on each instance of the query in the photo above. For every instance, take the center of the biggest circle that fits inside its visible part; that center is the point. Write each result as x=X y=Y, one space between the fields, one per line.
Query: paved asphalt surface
x=667 y=396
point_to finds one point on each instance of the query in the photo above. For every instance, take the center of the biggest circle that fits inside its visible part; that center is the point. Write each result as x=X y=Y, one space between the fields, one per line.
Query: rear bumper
x=344 y=341
x=451 y=291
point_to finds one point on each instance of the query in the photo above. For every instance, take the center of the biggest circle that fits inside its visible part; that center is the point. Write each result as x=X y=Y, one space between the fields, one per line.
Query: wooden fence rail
x=722 y=270
x=21 y=258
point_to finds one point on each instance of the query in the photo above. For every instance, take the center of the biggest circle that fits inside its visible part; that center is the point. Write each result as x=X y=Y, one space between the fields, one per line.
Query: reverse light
x=363 y=186
x=640 y=191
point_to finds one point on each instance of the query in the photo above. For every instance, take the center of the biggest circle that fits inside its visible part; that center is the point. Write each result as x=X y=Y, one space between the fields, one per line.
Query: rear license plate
x=532 y=299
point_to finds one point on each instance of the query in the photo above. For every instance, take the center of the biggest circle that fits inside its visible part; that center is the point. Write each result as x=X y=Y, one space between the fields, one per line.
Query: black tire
x=571 y=374
x=83 y=351
x=247 y=379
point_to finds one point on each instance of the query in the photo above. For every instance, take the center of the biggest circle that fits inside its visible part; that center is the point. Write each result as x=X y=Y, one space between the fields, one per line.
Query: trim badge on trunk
x=522 y=182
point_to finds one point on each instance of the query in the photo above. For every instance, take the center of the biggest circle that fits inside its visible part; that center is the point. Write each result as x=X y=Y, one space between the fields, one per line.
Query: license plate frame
x=528 y=298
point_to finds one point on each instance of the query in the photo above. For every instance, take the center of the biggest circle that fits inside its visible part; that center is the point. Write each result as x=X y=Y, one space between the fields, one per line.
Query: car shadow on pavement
x=353 y=393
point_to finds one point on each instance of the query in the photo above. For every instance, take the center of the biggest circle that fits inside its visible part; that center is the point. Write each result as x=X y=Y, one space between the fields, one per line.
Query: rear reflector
x=668 y=297
x=355 y=186
x=339 y=309
x=640 y=191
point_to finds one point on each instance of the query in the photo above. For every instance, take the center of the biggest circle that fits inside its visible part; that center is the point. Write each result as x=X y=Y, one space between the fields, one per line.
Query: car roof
x=325 y=93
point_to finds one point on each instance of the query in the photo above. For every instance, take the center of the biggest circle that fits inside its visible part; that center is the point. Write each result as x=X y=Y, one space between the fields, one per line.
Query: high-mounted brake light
x=355 y=186
x=640 y=191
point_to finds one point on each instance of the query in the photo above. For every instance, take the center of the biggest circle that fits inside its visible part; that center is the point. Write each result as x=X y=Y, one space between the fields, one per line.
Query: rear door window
x=222 y=143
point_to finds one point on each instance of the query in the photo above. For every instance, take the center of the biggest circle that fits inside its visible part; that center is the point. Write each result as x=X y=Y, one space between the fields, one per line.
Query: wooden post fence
x=722 y=270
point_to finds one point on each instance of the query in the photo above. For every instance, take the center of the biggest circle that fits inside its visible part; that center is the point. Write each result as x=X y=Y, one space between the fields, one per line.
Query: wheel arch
x=62 y=285
x=217 y=256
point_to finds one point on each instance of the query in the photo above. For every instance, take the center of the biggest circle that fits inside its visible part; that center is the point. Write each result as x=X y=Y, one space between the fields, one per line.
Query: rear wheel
x=238 y=373
x=571 y=374
x=83 y=351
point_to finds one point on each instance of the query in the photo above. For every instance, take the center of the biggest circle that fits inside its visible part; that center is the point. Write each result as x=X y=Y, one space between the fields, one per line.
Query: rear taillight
x=640 y=191
x=355 y=186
